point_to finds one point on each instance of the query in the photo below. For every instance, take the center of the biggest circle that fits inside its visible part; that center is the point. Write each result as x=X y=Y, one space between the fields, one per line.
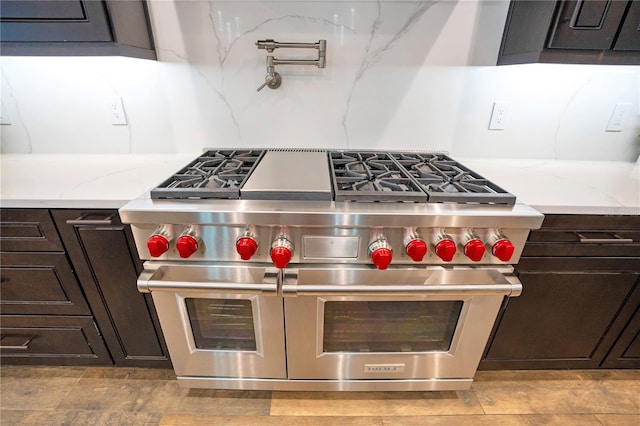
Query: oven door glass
x=222 y=324
x=387 y=326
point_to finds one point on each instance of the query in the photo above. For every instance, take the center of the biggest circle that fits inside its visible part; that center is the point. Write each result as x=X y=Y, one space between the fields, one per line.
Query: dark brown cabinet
x=103 y=254
x=576 y=31
x=625 y=352
x=40 y=283
x=44 y=316
x=76 y=27
x=580 y=299
x=51 y=339
x=75 y=301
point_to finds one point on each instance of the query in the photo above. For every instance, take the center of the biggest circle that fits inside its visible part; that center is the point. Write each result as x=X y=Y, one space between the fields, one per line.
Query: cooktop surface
x=335 y=175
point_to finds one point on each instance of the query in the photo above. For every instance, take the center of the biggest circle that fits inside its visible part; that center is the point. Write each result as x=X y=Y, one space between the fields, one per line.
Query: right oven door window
x=390 y=326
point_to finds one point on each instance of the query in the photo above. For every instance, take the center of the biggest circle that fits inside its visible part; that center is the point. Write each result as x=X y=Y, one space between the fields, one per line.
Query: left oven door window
x=222 y=324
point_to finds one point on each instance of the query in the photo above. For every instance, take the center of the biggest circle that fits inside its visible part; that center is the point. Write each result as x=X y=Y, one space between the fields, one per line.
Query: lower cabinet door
x=101 y=250
x=559 y=320
x=51 y=340
x=625 y=353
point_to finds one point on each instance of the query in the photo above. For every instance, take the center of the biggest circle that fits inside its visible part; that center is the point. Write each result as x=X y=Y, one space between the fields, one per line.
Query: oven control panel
x=379 y=246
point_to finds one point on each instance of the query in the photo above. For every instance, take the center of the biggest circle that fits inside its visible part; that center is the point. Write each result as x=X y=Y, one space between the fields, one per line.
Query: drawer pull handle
x=82 y=220
x=22 y=347
x=617 y=239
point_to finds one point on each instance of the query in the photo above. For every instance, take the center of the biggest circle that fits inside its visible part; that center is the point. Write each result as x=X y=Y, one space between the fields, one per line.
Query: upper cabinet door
x=54 y=21
x=572 y=32
x=587 y=24
x=629 y=36
x=75 y=28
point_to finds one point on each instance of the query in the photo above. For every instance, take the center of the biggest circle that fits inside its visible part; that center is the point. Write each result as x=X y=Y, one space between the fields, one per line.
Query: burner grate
x=215 y=174
x=371 y=176
x=445 y=180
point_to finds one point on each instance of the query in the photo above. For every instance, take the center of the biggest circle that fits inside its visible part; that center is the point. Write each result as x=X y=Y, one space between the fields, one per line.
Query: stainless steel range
x=328 y=270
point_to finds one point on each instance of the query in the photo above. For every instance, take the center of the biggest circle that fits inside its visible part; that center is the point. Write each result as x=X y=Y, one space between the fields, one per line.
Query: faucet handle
x=273 y=81
x=266 y=81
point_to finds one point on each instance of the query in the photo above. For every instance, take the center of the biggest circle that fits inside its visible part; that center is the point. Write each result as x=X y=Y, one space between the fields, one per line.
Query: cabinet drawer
x=55 y=340
x=585 y=236
x=578 y=264
x=39 y=283
x=592 y=222
x=28 y=230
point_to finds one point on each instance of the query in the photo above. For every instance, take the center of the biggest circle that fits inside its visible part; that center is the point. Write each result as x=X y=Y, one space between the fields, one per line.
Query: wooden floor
x=128 y=396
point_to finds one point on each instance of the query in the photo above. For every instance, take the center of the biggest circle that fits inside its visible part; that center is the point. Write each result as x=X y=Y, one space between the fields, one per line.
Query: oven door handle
x=148 y=282
x=508 y=289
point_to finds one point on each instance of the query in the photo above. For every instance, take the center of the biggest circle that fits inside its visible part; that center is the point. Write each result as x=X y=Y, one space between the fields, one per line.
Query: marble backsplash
x=399 y=75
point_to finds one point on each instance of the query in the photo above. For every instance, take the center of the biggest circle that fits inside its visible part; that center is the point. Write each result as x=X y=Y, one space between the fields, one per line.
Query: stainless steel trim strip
x=341 y=215
x=325 y=385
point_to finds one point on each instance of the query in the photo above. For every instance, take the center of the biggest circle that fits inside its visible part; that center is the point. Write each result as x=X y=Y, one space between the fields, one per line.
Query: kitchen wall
x=400 y=74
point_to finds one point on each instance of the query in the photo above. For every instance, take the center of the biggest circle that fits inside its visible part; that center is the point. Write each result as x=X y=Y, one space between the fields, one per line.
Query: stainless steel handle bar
x=508 y=289
x=268 y=286
x=82 y=221
x=22 y=347
x=617 y=239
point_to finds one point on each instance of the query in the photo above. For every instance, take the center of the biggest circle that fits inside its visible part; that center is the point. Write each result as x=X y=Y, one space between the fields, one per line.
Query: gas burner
x=371 y=176
x=215 y=174
x=446 y=180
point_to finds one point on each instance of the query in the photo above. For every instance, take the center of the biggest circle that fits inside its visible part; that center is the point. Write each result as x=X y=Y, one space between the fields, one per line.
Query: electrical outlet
x=116 y=112
x=618 y=117
x=499 y=116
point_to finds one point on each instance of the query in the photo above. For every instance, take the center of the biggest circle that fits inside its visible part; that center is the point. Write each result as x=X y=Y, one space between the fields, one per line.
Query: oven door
x=351 y=323
x=219 y=321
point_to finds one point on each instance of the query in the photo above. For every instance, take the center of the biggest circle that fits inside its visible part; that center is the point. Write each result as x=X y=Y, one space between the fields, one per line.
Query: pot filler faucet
x=273 y=79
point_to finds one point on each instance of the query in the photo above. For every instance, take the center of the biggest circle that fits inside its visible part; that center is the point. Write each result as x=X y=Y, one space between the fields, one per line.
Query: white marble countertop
x=82 y=180
x=566 y=187
x=109 y=181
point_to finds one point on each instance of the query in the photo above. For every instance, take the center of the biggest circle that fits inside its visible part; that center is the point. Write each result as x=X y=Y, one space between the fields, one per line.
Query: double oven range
x=290 y=269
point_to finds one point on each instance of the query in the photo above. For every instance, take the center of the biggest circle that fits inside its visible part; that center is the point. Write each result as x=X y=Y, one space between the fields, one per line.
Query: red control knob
x=186 y=245
x=474 y=250
x=157 y=245
x=445 y=249
x=381 y=257
x=280 y=256
x=503 y=250
x=246 y=247
x=416 y=249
